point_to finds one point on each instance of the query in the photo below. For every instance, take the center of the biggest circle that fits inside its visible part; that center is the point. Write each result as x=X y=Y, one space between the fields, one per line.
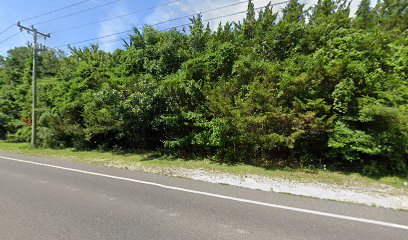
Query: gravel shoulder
x=322 y=185
x=379 y=195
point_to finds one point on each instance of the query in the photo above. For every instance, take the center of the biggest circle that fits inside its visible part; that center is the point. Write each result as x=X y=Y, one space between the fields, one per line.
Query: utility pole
x=35 y=33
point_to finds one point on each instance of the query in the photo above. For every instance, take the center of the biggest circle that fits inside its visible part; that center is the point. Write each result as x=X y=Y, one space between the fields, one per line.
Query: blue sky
x=13 y=11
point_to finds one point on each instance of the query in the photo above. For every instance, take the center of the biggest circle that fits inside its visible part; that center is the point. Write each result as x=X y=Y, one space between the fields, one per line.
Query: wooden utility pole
x=35 y=33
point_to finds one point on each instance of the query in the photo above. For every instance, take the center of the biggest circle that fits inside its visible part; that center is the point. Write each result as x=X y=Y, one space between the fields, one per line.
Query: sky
x=139 y=13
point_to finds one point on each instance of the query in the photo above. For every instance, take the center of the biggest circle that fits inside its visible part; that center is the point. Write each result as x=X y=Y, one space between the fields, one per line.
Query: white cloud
x=353 y=6
x=162 y=13
x=111 y=27
x=206 y=7
x=189 y=7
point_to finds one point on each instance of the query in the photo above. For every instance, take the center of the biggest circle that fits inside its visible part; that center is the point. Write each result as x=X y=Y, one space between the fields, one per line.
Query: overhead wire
x=138 y=11
x=10 y=37
x=155 y=24
x=96 y=38
x=183 y=25
x=55 y=10
x=113 y=18
x=76 y=13
x=203 y=12
x=45 y=14
x=223 y=16
x=6 y=29
x=204 y=20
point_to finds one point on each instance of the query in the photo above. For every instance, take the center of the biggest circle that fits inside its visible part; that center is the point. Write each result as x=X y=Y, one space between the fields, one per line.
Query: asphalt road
x=67 y=200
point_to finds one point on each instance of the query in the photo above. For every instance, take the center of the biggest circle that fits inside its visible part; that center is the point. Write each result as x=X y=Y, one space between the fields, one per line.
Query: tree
x=306 y=88
x=248 y=26
x=393 y=14
x=364 y=16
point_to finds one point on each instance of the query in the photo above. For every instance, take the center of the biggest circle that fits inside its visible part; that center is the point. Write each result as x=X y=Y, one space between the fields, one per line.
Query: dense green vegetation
x=309 y=87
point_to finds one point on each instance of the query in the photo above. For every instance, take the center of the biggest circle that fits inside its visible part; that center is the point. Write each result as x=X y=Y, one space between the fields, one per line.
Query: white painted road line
x=301 y=210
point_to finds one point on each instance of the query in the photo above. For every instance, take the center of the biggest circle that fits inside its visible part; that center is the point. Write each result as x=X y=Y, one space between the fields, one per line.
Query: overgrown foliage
x=311 y=87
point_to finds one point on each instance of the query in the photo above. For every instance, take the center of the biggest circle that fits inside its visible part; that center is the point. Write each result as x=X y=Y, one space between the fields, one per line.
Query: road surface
x=54 y=199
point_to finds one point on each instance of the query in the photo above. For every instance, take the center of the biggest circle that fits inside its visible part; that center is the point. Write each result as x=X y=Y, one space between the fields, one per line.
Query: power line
x=96 y=38
x=7 y=28
x=53 y=19
x=127 y=31
x=207 y=11
x=159 y=23
x=138 y=11
x=44 y=14
x=76 y=13
x=55 y=10
x=223 y=16
x=116 y=17
x=5 y=40
x=204 y=20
